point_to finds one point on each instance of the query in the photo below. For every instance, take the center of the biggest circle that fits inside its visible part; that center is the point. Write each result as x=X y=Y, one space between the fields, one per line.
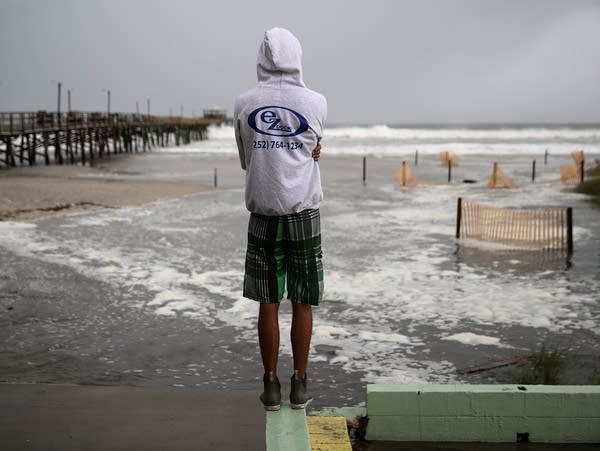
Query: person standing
x=278 y=127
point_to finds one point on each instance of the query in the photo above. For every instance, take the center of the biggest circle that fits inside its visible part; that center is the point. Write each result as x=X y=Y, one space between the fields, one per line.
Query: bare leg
x=268 y=337
x=300 y=336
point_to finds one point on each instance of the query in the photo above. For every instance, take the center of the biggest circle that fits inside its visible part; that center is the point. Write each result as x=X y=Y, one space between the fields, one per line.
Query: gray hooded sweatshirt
x=277 y=125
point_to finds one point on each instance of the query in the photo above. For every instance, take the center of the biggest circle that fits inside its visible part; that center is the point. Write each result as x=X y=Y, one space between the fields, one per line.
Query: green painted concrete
x=287 y=430
x=483 y=413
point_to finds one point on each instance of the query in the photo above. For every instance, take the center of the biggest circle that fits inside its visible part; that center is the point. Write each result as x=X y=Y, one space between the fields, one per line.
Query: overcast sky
x=376 y=61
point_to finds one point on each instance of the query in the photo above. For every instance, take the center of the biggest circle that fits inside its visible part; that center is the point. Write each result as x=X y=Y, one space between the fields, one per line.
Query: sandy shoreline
x=41 y=191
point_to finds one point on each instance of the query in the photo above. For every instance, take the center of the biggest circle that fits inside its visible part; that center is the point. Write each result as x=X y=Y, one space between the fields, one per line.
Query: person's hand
x=316 y=153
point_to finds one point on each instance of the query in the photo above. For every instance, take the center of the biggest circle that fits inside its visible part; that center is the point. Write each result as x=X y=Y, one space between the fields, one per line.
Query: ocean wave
x=465 y=133
x=221 y=132
x=385 y=132
x=384 y=140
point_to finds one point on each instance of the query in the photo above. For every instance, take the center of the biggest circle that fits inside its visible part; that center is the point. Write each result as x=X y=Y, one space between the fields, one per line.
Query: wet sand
x=148 y=296
x=41 y=191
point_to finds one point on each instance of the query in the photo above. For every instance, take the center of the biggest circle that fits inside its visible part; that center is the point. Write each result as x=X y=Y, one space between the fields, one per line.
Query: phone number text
x=287 y=145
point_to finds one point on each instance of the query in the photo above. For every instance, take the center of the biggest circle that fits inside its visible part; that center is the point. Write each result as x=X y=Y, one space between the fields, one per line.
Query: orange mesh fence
x=448 y=156
x=499 y=179
x=404 y=176
x=578 y=156
x=540 y=228
x=571 y=174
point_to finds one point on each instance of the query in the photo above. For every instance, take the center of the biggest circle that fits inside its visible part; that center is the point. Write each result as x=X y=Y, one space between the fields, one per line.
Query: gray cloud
x=377 y=62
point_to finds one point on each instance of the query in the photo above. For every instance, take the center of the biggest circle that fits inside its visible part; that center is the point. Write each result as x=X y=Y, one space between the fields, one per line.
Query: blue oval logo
x=277 y=121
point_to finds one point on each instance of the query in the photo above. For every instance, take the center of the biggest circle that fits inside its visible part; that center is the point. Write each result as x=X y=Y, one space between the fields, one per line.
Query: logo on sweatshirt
x=277 y=121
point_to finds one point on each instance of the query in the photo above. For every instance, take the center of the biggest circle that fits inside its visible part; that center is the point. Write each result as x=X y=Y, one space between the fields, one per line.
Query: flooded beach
x=150 y=294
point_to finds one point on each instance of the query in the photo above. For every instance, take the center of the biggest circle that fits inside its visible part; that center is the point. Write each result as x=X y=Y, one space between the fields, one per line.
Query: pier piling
x=82 y=137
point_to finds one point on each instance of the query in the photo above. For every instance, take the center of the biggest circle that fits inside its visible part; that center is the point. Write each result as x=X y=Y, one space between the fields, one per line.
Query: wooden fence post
x=364 y=169
x=570 y=230
x=458 y=217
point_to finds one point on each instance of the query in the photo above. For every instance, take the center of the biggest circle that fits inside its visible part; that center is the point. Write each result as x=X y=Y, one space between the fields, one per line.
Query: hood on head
x=280 y=58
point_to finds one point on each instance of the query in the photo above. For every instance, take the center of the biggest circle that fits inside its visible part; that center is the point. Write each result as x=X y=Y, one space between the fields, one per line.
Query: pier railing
x=15 y=123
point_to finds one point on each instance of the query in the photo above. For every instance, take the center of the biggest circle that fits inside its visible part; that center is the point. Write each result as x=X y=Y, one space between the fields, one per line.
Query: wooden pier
x=26 y=138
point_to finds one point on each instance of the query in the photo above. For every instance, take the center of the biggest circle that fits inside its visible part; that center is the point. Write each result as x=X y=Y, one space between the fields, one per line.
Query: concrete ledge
x=484 y=413
x=56 y=417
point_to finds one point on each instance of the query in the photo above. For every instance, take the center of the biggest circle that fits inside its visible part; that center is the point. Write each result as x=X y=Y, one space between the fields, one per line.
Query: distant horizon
x=391 y=124
x=470 y=124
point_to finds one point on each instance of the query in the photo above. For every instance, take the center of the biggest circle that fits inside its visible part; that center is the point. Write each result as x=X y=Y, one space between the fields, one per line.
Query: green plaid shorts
x=281 y=247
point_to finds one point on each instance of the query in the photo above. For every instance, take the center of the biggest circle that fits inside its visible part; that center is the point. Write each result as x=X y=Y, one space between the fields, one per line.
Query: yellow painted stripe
x=328 y=433
x=332 y=447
